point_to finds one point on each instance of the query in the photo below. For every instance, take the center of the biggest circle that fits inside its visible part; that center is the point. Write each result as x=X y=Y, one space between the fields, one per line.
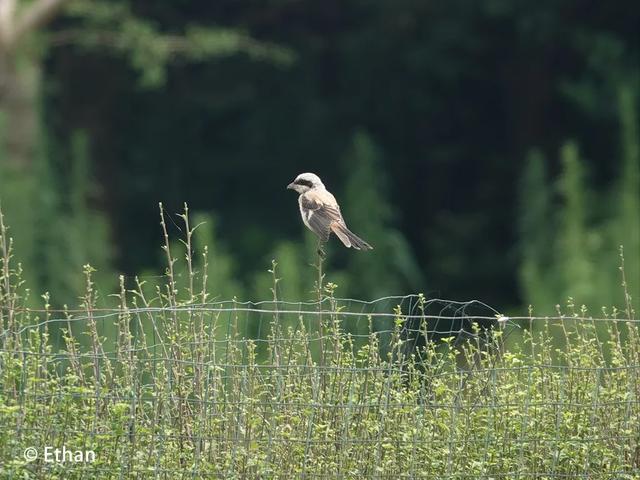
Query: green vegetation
x=168 y=383
x=487 y=150
x=570 y=234
x=422 y=118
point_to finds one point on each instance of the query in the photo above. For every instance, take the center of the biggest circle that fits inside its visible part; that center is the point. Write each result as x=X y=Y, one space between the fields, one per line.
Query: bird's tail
x=349 y=238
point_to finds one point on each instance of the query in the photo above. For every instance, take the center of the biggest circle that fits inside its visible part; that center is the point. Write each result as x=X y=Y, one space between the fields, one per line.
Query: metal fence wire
x=402 y=387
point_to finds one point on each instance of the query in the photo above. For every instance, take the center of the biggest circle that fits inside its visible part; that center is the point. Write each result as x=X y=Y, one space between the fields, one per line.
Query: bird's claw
x=321 y=253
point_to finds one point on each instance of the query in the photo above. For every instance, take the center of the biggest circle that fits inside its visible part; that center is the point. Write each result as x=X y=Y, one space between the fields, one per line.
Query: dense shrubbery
x=168 y=384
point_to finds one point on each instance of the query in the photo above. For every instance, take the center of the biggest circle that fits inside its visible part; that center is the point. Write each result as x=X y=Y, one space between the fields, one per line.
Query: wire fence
x=401 y=387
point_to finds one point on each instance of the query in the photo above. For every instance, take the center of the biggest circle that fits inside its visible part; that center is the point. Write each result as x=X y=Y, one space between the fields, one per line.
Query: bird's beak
x=290 y=186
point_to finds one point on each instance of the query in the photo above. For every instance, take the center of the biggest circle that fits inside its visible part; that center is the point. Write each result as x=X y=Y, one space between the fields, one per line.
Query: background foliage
x=487 y=150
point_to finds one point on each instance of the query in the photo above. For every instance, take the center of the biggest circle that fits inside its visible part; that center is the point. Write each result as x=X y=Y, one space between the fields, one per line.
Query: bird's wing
x=322 y=212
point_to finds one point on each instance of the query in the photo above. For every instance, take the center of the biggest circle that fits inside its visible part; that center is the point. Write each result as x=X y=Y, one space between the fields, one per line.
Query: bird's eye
x=301 y=181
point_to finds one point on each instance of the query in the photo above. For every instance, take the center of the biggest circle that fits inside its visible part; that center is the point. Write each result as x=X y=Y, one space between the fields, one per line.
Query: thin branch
x=37 y=15
x=174 y=44
x=108 y=39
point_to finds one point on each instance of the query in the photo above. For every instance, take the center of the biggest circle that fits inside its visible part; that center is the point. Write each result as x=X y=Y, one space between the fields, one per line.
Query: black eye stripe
x=306 y=183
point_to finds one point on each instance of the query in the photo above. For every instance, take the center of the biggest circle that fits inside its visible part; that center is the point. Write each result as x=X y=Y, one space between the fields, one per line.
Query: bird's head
x=305 y=182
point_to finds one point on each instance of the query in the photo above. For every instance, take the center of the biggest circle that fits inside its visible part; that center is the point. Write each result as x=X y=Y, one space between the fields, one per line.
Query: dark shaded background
x=454 y=95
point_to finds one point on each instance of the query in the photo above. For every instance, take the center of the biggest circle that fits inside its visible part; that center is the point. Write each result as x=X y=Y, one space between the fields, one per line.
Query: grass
x=164 y=383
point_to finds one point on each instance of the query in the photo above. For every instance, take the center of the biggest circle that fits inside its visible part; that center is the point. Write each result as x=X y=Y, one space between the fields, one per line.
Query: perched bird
x=321 y=213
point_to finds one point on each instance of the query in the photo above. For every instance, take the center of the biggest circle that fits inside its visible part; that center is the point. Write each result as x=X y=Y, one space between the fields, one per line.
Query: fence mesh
x=402 y=387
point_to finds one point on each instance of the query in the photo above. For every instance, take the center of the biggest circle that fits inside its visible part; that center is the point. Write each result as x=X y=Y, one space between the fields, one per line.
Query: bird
x=321 y=213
